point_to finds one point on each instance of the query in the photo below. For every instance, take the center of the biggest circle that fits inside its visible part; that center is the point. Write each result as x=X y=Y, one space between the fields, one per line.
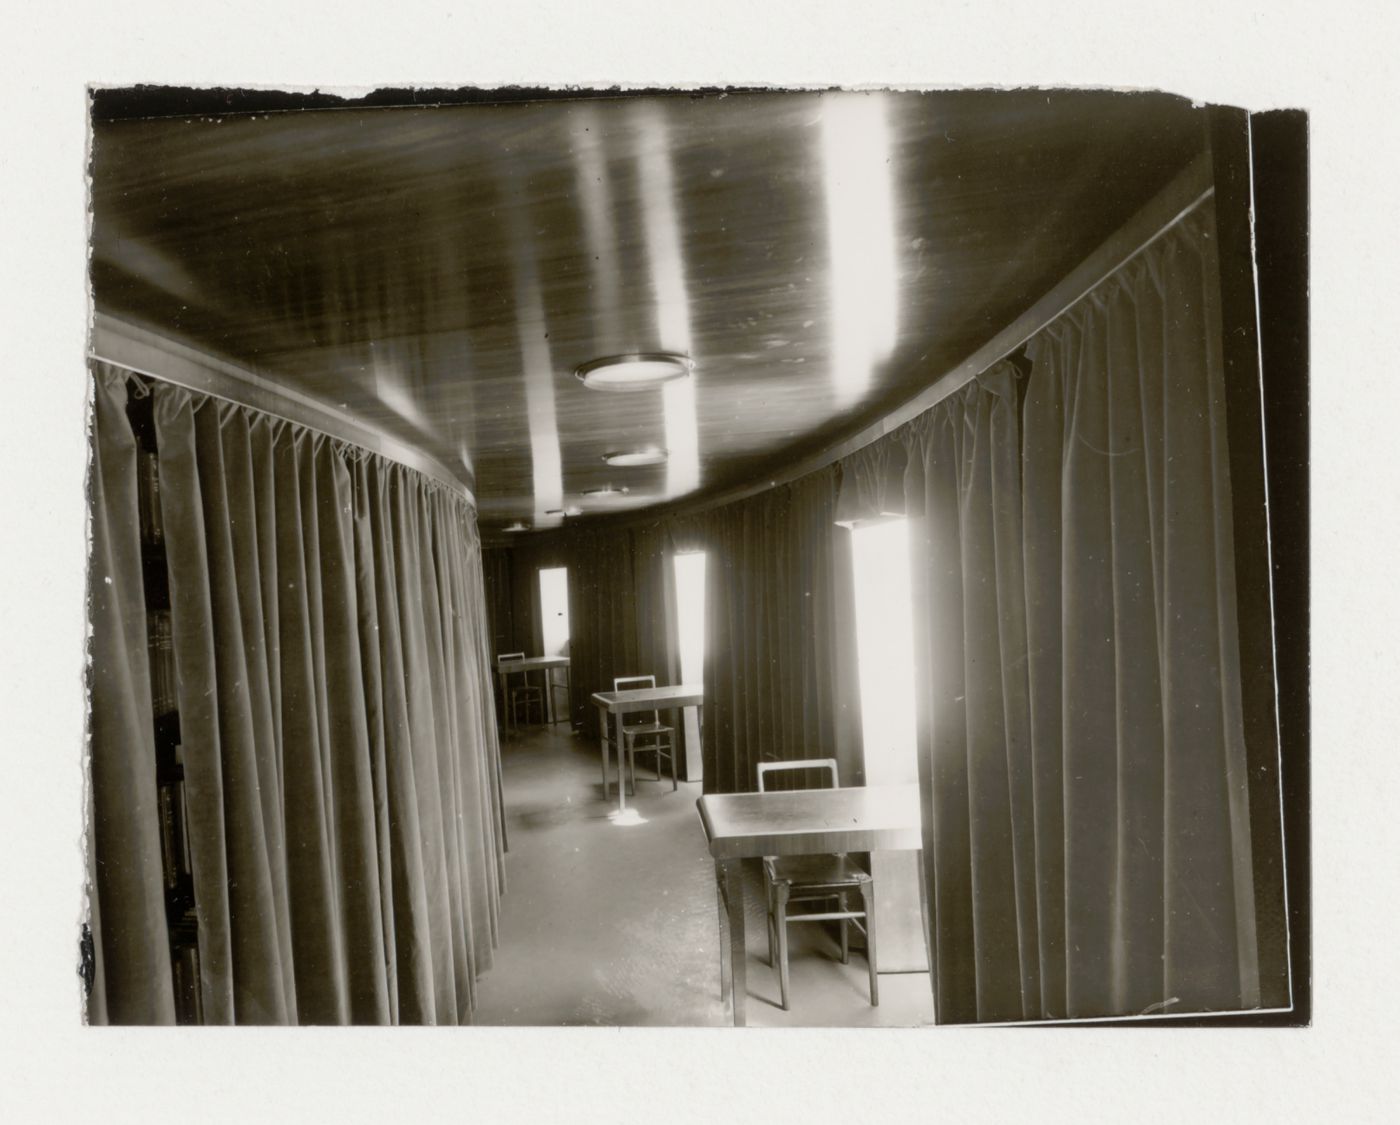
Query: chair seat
x=805 y=871
x=646 y=728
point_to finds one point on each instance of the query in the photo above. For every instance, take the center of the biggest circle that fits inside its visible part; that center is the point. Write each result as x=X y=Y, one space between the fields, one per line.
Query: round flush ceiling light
x=606 y=490
x=635 y=372
x=646 y=455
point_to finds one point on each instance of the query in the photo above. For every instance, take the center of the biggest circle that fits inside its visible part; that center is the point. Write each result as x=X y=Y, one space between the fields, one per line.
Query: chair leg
x=780 y=924
x=603 y=751
x=768 y=892
x=845 y=929
x=673 y=767
x=867 y=894
x=724 y=963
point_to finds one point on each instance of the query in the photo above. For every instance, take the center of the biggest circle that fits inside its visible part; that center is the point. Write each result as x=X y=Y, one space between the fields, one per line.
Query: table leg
x=731 y=875
x=724 y=963
x=554 y=717
x=697 y=759
x=603 y=746
x=928 y=933
x=619 y=744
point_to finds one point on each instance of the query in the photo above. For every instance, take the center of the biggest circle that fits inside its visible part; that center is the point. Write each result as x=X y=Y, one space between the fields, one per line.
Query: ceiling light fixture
x=606 y=490
x=638 y=371
x=644 y=455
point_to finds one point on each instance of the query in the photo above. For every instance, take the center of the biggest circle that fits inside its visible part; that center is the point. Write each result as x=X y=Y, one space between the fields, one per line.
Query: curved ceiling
x=439 y=272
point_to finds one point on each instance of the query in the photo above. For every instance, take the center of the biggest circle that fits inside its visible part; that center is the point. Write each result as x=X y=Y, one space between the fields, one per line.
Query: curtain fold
x=966 y=544
x=603 y=611
x=336 y=719
x=653 y=555
x=770 y=651
x=1081 y=739
x=1082 y=746
x=500 y=617
x=133 y=983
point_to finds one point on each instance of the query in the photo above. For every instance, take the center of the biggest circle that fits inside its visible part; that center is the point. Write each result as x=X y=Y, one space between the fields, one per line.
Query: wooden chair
x=813 y=878
x=661 y=736
x=524 y=694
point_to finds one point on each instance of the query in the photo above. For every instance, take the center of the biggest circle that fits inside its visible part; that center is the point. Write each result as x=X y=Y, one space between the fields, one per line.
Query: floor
x=617 y=925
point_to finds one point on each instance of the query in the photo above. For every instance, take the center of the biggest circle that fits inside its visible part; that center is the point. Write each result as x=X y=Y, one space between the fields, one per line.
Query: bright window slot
x=690 y=615
x=554 y=610
x=885 y=646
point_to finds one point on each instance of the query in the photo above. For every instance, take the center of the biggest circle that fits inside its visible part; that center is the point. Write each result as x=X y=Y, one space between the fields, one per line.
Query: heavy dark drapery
x=1082 y=758
x=1088 y=844
x=778 y=684
x=770 y=620
x=125 y=891
x=338 y=735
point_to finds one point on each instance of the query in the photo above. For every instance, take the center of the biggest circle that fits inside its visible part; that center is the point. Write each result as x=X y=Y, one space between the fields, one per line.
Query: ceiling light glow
x=628 y=458
x=636 y=372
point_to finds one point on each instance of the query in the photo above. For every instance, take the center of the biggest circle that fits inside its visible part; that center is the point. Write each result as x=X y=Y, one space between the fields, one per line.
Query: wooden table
x=507 y=668
x=613 y=705
x=741 y=826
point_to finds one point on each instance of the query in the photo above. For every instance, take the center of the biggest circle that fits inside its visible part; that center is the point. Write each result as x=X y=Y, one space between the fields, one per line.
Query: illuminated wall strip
x=538 y=370
x=600 y=232
x=664 y=254
x=860 y=217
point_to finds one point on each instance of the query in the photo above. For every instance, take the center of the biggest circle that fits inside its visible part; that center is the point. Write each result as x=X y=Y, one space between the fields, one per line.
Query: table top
x=812 y=821
x=649 y=699
x=532 y=662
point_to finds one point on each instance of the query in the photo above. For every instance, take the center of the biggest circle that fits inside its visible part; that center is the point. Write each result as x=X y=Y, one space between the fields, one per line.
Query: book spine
x=168 y=838
x=148 y=499
x=162 y=646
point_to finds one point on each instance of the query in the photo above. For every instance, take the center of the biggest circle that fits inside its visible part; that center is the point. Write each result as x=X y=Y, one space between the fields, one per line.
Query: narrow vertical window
x=690 y=615
x=885 y=645
x=554 y=610
x=690 y=640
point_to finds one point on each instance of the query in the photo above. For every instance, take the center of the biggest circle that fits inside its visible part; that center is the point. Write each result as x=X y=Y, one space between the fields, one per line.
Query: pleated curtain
x=126 y=901
x=621 y=611
x=771 y=685
x=1087 y=823
x=1082 y=760
x=602 y=618
x=500 y=616
x=336 y=719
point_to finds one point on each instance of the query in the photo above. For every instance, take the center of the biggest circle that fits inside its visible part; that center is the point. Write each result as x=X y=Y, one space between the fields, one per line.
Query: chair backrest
x=507 y=657
x=765 y=768
x=633 y=683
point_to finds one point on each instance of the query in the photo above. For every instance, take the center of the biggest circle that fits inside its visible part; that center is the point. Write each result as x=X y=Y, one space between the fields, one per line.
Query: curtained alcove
x=1092 y=834
x=297 y=808
x=328 y=754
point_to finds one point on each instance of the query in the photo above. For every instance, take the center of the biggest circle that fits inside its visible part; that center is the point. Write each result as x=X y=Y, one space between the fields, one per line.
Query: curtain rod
x=149 y=354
